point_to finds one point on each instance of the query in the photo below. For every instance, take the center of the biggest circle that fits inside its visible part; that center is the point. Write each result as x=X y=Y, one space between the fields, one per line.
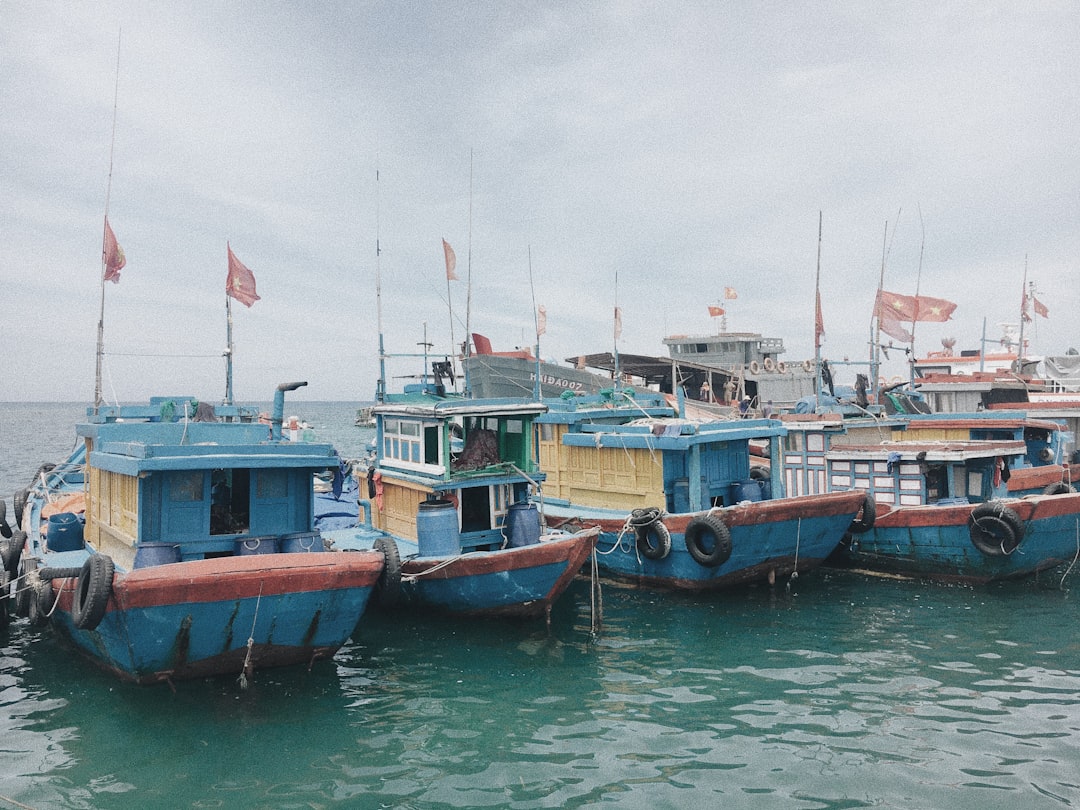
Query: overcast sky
x=646 y=154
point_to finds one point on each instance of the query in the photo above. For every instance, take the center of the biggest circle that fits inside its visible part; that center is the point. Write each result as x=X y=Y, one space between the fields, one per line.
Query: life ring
x=388 y=587
x=755 y=367
x=1059 y=488
x=781 y=366
x=653 y=540
x=92 y=591
x=995 y=529
x=866 y=516
x=11 y=550
x=807 y=365
x=770 y=364
x=708 y=540
x=1046 y=455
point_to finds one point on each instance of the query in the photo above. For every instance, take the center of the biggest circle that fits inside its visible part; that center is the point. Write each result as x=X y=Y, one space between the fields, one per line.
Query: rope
x=1075 y=556
x=437 y=567
x=596 y=597
x=251 y=638
x=798 y=540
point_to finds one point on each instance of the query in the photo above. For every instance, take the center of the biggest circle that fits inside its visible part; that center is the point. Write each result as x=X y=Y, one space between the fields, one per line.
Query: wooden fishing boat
x=449 y=501
x=947 y=507
x=677 y=503
x=178 y=542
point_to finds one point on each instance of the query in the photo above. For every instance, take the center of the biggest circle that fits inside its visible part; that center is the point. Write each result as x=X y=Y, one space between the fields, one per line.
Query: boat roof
x=131 y=448
x=928 y=451
x=672 y=434
x=429 y=407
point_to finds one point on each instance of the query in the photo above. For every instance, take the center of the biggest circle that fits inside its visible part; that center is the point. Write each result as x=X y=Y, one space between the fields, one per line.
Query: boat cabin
x=169 y=488
x=475 y=455
x=914 y=473
x=619 y=456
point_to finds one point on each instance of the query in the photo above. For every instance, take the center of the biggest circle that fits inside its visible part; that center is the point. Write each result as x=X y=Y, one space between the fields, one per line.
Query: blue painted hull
x=935 y=542
x=520 y=582
x=196 y=619
x=769 y=539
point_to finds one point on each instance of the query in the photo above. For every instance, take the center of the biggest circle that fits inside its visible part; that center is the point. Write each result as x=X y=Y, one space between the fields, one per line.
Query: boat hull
x=769 y=539
x=223 y=616
x=934 y=542
x=520 y=582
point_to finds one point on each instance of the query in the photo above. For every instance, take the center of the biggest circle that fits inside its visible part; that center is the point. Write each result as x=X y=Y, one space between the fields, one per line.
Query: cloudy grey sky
x=647 y=154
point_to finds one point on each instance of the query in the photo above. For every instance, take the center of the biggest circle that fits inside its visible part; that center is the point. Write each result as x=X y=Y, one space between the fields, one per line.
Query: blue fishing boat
x=678 y=503
x=946 y=504
x=177 y=541
x=449 y=501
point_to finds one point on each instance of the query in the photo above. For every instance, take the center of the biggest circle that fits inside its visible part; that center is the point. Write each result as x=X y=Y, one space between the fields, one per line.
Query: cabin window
x=815 y=443
x=272 y=485
x=432 y=444
x=975 y=483
x=936 y=483
x=186 y=487
x=230 y=501
x=547 y=433
x=793 y=442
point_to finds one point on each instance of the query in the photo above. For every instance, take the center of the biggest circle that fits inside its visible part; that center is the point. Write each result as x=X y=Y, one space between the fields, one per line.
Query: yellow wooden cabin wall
x=401 y=502
x=929 y=434
x=112 y=509
x=609 y=477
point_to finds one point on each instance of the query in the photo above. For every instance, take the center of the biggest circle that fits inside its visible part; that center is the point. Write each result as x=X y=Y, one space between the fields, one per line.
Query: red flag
x=913 y=307
x=1040 y=307
x=819 y=322
x=541 y=320
x=451 y=261
x=112 y=255
x=618 y=323
x=715 y=311
x=240 y=283
x=894 y=328
x=730 y=294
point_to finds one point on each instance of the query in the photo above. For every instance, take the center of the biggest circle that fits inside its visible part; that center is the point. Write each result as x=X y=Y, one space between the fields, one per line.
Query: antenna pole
x=228 y=351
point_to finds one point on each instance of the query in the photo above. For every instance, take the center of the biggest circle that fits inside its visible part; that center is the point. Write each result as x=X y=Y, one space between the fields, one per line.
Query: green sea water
x=835 y=691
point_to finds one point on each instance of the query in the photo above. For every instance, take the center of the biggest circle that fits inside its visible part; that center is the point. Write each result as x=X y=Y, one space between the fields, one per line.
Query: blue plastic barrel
x=301 y=541
x=65 y=532
x=150 y=554
x=437 y=531
x=256 y=545
x=746 y=491
x=522 y=526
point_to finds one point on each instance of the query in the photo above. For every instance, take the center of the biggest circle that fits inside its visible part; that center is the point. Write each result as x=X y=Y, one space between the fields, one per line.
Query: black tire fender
x=866 y=517
x=653 y=540
x=995 y=529
x=1058 y=488
x=92 y=591
x=23 y=592
x=388 y=588
x=41 y=600
x=708 y=540
x=11 y=551
x=20 y=504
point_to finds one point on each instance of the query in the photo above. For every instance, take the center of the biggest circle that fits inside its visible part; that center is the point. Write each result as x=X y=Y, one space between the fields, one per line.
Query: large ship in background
x=719 y=369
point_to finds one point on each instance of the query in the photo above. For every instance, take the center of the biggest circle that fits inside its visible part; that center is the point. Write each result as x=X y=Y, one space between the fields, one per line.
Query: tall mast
x=468 y=284
x=817 y=317
x=98 y=398
x=228 y=350
x=536 y=328
x=380 y=386
x=1023 y=317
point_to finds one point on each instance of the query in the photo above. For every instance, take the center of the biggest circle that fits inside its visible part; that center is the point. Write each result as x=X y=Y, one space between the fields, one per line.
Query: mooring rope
x=1075 y=556
x=251 y=641
x=798 y=540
